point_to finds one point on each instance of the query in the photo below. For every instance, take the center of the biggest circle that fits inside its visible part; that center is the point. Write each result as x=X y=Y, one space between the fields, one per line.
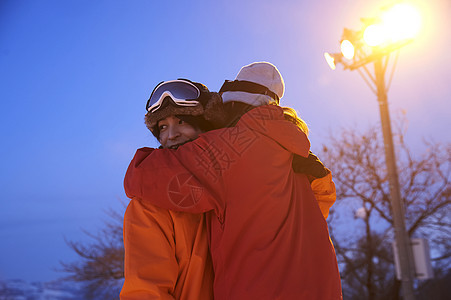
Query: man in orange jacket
x=166 y=252
x=268 y=238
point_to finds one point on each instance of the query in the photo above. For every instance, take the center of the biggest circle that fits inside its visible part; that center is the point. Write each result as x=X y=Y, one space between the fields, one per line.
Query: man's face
x=175 y=132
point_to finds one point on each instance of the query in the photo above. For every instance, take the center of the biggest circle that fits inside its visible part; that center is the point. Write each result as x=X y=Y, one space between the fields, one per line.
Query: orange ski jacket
x=166 y=254
x=268 y=237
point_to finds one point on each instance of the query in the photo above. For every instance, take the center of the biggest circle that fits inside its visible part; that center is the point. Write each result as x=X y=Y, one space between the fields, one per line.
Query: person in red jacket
x=268 y=237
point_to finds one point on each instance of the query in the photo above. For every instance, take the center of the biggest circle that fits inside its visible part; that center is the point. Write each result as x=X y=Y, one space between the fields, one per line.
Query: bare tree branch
x=357 y=161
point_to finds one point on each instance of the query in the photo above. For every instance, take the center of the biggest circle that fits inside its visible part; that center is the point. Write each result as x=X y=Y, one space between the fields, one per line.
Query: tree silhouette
x=361 y=223
x=100 y=269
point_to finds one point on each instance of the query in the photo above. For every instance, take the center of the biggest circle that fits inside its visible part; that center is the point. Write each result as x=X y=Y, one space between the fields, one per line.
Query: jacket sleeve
x=151 y=268
x=325 y=193
x=310 y=165
x=181 y=180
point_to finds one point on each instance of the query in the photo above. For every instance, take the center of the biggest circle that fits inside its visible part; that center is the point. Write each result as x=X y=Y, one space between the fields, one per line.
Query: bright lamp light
x=374 y=35
x=402 y=21
x=347 y=49
x=399 y=23
x=330 y=60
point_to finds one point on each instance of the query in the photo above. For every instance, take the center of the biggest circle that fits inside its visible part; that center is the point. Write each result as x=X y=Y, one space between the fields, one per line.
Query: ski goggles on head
x=182 y=93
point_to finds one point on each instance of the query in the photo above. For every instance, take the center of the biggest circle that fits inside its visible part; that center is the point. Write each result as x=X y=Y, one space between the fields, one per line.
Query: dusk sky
x=75 y=77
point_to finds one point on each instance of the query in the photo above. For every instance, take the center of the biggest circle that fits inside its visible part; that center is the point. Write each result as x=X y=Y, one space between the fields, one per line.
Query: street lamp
x=378 y=39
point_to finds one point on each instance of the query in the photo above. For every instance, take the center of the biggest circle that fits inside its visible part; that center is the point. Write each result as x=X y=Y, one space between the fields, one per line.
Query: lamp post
x=373 y=44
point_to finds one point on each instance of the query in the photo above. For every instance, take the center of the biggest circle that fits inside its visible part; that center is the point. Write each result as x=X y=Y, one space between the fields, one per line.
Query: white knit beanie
x=263 y=73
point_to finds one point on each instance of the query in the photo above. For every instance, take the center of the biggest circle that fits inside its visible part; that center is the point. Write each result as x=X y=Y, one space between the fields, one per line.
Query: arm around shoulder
x=173 y=179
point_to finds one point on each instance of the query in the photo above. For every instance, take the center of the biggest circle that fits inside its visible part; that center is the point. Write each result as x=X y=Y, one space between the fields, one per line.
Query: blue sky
x=75 y=77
